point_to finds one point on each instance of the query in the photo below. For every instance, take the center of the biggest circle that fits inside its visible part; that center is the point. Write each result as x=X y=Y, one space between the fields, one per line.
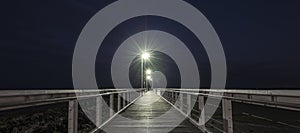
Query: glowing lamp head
x=148 y=71
x=145 y=55
x=148 y=78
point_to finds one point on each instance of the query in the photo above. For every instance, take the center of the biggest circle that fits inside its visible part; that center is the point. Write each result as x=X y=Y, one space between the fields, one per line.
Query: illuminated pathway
x=146 y=116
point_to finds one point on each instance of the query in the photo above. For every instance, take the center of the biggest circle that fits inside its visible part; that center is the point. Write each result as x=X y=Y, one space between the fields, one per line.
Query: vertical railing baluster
x=73 y=116
x=175 y=97
x=111 y=105
x=189 y=104
x=181 y=101
x=119 y=101
x=201 y=111
x=98 y=111
x=172 y=97
x=128 y=97
x=227 y=116
x=124 y=99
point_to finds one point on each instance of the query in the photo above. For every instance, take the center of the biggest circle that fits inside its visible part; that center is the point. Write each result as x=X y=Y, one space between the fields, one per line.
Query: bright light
x=148 y=77
x=148 y=71
x=145 y=55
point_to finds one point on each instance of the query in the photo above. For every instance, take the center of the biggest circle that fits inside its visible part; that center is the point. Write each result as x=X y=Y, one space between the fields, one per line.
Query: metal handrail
x=290 y=93
x=9 y=93
x=287 y=99
x=17 y=99
x=286 y=103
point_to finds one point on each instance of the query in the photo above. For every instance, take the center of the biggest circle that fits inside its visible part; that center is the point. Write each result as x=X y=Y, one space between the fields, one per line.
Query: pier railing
x=117 y=101
x=286 y=99
x=18 y=99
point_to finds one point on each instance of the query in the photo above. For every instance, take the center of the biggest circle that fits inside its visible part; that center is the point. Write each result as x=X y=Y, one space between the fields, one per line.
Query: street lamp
x=145 y=56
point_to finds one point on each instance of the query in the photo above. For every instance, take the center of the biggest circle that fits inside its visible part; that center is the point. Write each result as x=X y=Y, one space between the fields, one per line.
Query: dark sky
x=260 y=39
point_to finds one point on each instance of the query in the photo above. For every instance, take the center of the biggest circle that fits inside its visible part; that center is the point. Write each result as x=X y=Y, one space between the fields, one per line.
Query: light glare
x=146 y=55
x=148 y=77
x=148 y=71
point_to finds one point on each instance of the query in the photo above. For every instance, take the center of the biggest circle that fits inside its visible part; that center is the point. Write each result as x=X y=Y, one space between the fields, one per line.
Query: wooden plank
x=142 y=117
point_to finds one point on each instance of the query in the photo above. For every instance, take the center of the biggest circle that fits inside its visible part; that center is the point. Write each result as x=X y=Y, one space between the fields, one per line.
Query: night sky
x=260 y=39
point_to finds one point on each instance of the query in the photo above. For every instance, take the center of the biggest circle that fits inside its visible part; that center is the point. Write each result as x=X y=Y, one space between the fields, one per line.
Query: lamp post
x=145 y=56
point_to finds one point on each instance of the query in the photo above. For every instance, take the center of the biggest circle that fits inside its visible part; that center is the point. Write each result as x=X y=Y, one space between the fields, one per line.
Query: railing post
x=124 y=99
x=119 y=102
x=181 y=101
x=227 y=116
x=172 y=99
x=98 y=111
x=201 y=111
x=111 y=105
x=128 y=97
x=73 y=116
x=189 y=105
